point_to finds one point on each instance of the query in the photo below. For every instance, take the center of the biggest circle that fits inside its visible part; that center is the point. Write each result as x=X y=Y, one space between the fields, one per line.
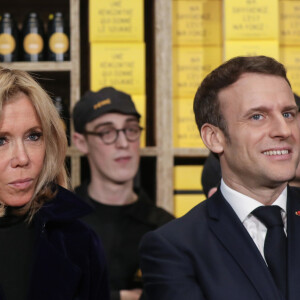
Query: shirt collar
x=244 y=205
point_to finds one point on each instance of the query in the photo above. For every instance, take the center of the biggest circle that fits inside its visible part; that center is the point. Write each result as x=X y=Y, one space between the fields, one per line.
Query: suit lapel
x=293 y=234
x=232 y=234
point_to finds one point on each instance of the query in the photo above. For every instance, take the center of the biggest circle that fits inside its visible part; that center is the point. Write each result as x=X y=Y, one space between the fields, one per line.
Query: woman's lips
x=21 y=183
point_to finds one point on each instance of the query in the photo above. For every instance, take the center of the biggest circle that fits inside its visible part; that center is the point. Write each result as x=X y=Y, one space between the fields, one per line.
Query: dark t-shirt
x=121 y=229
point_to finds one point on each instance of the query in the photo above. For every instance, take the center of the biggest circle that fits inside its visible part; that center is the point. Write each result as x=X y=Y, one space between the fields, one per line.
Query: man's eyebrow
x=103 y=124
x=265 y=108
x=108 y=123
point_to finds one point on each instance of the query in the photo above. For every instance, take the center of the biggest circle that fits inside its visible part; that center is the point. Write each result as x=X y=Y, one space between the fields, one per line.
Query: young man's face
x=119 y=161
x=263 y=145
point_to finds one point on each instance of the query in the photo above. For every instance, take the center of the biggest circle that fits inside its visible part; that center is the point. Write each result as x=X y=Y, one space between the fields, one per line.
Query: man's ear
x=80 y=142
x=213 y=138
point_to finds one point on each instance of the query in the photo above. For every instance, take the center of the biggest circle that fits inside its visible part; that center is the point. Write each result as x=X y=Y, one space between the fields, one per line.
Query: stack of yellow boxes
x=251 y=27
x=289 y=20
x=197 y=50
x=116 y=35
x=188 y=189
x=197 y=39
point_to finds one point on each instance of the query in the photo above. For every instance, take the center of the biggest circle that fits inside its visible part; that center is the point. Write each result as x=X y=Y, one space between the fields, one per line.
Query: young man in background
x=107 y=132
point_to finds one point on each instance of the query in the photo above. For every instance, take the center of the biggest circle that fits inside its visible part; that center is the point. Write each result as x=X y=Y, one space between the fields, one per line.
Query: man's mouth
x=276 y=152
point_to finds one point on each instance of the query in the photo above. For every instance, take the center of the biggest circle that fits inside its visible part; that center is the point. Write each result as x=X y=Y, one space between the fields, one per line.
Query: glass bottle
x=58 y=46
x=33 y=38
x=9 y=38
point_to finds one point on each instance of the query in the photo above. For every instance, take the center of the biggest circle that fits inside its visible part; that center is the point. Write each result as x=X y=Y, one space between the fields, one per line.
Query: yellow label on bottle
x=7 y=44
x=33 y=43
x=59 y=43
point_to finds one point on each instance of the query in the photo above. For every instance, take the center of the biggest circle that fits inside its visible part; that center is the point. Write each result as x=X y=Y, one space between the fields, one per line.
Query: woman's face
x=22 y=151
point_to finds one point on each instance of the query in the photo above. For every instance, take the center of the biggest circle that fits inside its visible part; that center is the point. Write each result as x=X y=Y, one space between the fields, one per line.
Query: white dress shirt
x=244 y=205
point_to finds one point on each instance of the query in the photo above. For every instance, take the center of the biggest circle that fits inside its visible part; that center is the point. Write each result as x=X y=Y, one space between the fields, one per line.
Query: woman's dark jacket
x=68 y=261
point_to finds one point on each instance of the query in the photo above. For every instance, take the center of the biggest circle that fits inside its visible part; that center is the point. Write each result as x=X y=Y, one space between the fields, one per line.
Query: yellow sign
x=289 y=22
x=290 y=57
x=121 y=65
x=185 y=202
x=187 y=177
x=140 y=105
x=185 y=131
x=197 y=23
x=251 y=19
x=116 y=20
x=251 y=48
x=190 y=66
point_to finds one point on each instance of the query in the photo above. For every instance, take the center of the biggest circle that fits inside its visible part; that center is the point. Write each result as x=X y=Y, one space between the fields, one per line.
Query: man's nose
x=281 y=128
x=122 y=141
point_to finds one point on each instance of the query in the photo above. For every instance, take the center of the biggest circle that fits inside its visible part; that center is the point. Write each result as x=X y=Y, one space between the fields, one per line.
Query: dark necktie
x=275 y=243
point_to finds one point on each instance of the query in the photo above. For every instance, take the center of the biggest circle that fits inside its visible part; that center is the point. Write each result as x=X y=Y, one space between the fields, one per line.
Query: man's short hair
x=206 y=103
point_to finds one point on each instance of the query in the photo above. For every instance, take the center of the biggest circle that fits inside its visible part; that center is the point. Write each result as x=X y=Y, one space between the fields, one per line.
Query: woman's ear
x=213 y=138
x=80 y=142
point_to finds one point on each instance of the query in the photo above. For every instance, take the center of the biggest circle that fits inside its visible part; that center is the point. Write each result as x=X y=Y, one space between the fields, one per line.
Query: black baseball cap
x=95 y=104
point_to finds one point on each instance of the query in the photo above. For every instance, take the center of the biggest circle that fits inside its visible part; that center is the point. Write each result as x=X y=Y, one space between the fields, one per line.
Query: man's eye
x=132 y=129
x=106 y=132
x=287 y=115
x=3 y=141
x=257 y=117
x=35 y=136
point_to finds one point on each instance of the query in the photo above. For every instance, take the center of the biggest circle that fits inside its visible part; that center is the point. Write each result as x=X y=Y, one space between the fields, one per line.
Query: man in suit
x=225 y=247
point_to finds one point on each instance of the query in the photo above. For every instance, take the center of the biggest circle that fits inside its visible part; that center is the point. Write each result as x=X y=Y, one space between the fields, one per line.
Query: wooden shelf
x=162 y=122
x=190 y=152
x=39 y=66
x=147 y=151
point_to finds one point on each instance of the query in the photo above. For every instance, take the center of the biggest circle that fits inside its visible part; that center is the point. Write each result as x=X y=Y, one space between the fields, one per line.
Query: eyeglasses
x=111 y=134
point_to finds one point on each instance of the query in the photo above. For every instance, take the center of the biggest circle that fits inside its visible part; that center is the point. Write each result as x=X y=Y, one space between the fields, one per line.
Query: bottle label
x=33 y=43
x=7 y=44
x=59 y=43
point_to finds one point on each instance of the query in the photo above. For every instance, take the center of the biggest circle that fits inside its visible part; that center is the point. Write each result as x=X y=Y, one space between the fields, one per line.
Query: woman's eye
x=257 y=117
x=35 y=136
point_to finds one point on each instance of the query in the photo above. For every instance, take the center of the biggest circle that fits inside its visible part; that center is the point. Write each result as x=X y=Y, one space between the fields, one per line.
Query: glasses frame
x=98 y=134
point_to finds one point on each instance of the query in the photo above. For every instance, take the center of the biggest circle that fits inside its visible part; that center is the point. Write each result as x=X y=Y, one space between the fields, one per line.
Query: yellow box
x=290 y=57
x=244 y=19
x=197 y=23
x=140 y=105
x=190 y=66
x=187 y=177
x=119 y=65
x=185 y=202
x=117 y=20
x=251 y=48
x=289 y=21
x=185 y=131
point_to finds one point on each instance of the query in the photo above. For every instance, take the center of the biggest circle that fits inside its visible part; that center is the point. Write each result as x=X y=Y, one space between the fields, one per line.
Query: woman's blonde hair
x=12 y=83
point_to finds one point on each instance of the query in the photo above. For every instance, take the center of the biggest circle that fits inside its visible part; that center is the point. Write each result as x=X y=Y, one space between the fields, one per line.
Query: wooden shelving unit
x=72 y=66
x=163 y=150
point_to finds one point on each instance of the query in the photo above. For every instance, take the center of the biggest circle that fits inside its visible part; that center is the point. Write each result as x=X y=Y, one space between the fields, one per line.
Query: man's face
x=117 y=162
x=263 y=145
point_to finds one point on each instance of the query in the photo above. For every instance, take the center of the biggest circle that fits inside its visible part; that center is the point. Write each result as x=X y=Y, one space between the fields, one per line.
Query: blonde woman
x=46 y=252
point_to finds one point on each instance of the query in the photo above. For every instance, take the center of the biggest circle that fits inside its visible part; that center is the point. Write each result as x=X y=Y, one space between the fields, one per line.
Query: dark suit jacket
x=208 y=254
